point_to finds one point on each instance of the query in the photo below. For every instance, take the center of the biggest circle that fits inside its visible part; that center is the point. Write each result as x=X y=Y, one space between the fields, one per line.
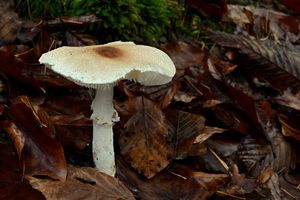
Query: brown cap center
x=109 y=52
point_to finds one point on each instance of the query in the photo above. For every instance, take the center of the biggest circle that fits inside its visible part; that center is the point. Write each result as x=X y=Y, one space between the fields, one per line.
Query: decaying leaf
x=239 y=184
x=265 y=174
x=232 y=117
x=211 y=182
x=273 y=187
x=39 y=154
x=68 y=104
x=199 y=81
x=254 y=153
x=290 y=126
x=143 y=139
x=80 y=39
x=184 y=127
x=73 y=132
x=161 y=94
x=178 y=182
x=82 y=183
x=208 y=8
x=184 y=54
x=289 y=185
x=264 y=23
x=72 y=22
x=281 y=148
x=13 y=186
x=9 y=22
x=72 y=123
x=13 y=68
x=207 y=132
x=276 y=64
x=166 y=143
x=289 y=99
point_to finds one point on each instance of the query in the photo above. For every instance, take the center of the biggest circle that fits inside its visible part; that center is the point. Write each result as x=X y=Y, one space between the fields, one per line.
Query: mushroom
x=100 y=67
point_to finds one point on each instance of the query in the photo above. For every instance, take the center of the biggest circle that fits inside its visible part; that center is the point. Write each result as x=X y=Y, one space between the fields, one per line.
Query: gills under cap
x=99 y=65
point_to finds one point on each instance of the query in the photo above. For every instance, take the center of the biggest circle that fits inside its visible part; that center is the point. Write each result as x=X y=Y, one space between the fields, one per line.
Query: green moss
x=142 y=21
x=147 y=21
x=138 y=20
x=37 y=9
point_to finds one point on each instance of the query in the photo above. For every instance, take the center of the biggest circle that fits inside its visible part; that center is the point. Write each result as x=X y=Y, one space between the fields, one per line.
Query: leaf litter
x=226 y=127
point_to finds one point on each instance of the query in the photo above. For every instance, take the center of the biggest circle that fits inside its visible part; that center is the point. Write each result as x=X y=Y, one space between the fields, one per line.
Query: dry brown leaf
x=233 y=117
x=212 y=182
x=183 y=128
x=83 y=183
x=184 y=55
x=143 y=139
x=161 y=94
x=74 y=132
x=265 y=174
x=267 y=63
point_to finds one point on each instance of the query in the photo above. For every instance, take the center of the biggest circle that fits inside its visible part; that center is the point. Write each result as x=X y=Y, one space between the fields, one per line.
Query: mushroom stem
x=104 y=116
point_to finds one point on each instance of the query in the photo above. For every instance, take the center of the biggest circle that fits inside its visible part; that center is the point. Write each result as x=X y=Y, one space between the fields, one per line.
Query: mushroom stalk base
x=104 y=116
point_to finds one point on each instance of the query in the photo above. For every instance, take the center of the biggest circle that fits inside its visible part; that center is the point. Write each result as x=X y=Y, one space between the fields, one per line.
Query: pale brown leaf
x=143 y=139
x=207 y=132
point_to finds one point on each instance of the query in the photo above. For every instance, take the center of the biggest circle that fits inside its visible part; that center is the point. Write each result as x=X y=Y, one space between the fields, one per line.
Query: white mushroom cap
x=99 y=65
